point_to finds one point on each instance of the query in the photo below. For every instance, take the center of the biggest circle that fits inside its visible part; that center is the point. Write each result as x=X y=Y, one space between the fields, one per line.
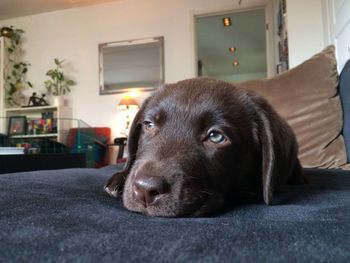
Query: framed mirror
x=131 y=64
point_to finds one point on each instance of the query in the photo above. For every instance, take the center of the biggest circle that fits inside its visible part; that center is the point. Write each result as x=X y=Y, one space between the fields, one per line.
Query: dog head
x=198 y=143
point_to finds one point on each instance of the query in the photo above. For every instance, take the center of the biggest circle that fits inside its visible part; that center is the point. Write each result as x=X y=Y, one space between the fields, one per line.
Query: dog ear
x=115 y=184
x=133 y=140
x=268 y=156
x=278 y=150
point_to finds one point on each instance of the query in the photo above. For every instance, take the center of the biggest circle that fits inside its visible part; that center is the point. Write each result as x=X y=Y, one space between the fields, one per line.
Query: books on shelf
x=47 y=124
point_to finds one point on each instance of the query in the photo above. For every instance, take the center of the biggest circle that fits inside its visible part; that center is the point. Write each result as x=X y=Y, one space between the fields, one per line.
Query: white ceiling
x=16 y=8
x=247 y=34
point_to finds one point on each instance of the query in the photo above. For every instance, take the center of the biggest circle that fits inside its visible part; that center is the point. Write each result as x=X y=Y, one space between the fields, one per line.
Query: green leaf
x=12 y=89
x=60 y=76
x=57 y=62
x=48 y=82
x=50 y=72
x=71 y=82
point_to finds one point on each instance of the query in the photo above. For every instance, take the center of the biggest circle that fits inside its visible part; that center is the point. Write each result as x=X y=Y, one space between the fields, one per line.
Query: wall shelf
x=30 y=136
x=31 y=109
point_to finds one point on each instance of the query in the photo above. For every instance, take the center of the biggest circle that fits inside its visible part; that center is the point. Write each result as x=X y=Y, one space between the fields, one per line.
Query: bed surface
x=65 y=216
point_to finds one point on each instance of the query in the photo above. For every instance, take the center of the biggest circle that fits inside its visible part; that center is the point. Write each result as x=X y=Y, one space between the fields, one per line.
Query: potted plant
x=15 y=69
x=58 y=85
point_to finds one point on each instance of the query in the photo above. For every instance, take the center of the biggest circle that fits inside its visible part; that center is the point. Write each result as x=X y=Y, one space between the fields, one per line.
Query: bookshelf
x=61 y=115
x=60 y=122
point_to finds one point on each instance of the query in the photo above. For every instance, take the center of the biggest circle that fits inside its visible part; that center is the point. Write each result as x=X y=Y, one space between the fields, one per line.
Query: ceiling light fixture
x=235 y=63
x=232 y=49
x=226 y=21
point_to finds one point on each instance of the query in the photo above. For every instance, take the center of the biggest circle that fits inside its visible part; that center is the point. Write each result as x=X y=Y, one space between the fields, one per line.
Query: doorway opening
x=236 y=52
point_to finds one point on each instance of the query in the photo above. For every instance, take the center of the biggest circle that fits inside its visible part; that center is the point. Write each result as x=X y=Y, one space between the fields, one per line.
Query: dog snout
x=148 y=189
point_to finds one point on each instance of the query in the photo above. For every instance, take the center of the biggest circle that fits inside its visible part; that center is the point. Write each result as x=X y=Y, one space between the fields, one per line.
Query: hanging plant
x=15 y=69
x=59 y=84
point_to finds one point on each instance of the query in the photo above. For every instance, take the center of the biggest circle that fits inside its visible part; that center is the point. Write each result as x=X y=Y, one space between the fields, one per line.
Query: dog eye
x=216 y=137
x=149 y=125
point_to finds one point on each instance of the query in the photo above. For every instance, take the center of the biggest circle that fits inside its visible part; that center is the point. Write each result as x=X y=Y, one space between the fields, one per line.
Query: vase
x=59 y=101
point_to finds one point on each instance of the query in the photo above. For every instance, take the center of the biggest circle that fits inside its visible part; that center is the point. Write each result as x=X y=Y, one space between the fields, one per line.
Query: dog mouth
x=161 y=192
x=168 y=205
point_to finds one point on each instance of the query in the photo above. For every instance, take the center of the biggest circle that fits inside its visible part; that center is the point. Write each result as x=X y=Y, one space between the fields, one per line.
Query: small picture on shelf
x=17 y=125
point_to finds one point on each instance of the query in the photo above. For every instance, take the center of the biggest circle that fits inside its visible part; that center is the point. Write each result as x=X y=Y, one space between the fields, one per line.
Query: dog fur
x=200 y=144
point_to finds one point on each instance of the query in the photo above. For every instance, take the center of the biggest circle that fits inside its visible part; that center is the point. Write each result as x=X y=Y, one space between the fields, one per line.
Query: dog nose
x=148 y=189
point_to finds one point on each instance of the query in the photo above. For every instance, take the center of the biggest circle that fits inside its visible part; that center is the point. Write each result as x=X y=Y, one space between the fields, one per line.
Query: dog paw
x=115 y=184
x=113 y=192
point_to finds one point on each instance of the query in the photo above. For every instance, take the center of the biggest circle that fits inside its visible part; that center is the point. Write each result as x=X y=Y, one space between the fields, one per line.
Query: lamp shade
x=128 y=102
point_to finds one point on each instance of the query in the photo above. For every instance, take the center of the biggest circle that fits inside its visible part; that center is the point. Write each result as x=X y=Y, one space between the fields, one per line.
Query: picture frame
x=17 y=125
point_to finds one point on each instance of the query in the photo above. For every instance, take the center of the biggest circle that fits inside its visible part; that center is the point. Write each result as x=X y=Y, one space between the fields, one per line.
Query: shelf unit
x=281 y=36
x=27 y=136
x=62 y=114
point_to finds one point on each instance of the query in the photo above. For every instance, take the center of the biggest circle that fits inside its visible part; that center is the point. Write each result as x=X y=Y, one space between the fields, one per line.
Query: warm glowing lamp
x=232 y=49
x=235 y=63
x=226 y=21
x=127 y=103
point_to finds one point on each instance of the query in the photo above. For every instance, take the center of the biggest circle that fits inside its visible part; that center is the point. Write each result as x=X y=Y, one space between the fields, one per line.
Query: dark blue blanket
x=65 y=216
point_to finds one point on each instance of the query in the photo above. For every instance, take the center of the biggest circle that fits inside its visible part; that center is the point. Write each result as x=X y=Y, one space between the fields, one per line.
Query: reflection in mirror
x=131 y=64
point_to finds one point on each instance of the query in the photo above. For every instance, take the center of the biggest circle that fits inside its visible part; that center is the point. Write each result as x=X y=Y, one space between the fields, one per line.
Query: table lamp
x=127 y=103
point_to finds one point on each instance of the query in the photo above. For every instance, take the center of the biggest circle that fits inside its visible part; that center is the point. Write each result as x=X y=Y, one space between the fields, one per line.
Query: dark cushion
x=65 y=216
x=344 y=89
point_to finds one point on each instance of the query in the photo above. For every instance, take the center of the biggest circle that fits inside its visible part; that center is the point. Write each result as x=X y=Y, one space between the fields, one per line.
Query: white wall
x=305 y=29
x=337 y=28
x=74 y=35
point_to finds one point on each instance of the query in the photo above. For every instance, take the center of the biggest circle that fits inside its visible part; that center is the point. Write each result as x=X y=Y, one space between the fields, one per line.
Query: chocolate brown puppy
x=199 y=144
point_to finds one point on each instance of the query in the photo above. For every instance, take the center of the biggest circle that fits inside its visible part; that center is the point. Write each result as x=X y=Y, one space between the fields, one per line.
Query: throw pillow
x=307 y=97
